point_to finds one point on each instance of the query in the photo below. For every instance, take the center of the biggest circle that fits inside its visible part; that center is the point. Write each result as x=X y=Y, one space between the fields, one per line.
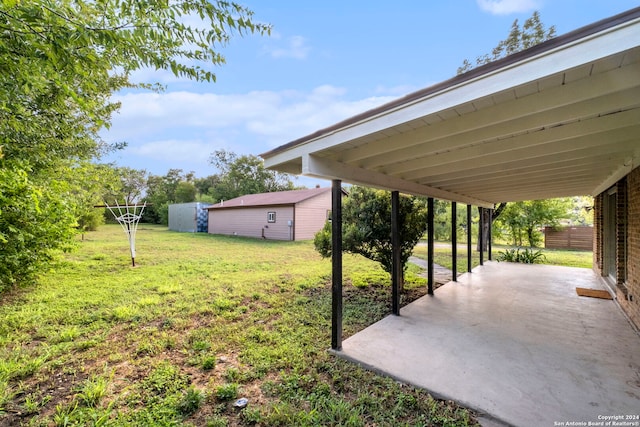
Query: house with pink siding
x=282 y=215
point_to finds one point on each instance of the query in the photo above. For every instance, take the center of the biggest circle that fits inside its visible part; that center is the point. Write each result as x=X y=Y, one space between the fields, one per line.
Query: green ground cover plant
x=521 y=255
x=200 y=321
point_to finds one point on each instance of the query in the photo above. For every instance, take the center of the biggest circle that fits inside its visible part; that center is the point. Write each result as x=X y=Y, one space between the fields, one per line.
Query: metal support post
x=396 y=250
x=430 y=246
x=336 y=263
x=481 y=235
x=490 y=233
x=454 y=242
x=469 y=251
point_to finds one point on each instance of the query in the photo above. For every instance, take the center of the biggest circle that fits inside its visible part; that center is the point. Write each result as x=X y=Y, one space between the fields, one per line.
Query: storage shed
x=282 y=215
x=188 y=217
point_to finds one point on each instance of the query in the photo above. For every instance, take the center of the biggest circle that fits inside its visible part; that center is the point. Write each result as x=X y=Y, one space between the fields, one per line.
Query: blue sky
x=324 y=61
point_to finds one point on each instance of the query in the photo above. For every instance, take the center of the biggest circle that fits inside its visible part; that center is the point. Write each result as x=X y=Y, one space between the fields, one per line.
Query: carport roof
x=559 y=119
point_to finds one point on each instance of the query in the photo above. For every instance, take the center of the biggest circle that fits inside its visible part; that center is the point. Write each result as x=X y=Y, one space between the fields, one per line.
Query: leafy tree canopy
x=366 y=218
x=90 y=185
x=442 y=221
x=60 y=63
x=523 y=220
x=531 y=33
x=132 y=185
x=246 y=174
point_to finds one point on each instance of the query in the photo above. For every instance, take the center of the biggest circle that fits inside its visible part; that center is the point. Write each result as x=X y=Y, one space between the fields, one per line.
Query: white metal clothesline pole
x=128 y=218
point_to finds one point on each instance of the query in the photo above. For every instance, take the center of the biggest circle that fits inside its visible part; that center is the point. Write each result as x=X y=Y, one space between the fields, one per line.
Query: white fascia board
x=329 y=169
x=282 y=158
x=597 y=46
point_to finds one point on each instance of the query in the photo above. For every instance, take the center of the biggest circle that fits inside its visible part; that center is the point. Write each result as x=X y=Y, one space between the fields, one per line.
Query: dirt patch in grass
x=54 y=388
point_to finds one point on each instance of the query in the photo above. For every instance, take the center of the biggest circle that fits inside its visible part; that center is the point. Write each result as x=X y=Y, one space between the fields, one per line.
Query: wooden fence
x=569 y=238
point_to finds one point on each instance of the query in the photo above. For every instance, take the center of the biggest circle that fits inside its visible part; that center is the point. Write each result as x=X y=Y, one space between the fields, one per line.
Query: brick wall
x=627 y=243
x=597 y=234
x=621 y=234
x=628 y=291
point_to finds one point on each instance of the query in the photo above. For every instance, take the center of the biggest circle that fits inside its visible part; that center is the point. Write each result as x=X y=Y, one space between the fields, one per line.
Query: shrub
x=527 y=256
x=509 y=255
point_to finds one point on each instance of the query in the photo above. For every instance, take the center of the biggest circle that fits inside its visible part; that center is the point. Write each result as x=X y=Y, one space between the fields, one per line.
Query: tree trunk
x=483 y=230
x=485 y=221
x=530 y=237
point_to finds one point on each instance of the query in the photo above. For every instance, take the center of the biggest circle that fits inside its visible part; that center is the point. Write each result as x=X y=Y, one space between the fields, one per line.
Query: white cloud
x=506 y=7
x=174 y=149
x=181 y=112
x=296 y=48
x=306 y=116
x=182 y=128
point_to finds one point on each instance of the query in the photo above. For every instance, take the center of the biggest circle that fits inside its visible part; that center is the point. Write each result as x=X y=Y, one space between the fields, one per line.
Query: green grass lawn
x=442 y=256
x=200 y=321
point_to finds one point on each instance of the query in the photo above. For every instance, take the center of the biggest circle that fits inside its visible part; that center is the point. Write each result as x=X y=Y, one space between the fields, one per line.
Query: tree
x=33 y=222
x=132 y=186
x=185 y=192
x=533 y=32
x=92 y=183
x=442 y=221
x=174 y=187
x=524 y=219
x=61 y=62
x=246 y=174
x=366 y=218
x=205 y=188
x=582 y=210
x=483 y=226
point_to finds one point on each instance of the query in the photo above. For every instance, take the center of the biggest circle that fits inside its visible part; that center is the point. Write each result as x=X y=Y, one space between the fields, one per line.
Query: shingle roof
x=271 y=199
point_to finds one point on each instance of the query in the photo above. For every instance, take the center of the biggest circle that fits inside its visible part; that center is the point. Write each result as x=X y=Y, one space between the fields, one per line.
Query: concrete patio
x=515 y=343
